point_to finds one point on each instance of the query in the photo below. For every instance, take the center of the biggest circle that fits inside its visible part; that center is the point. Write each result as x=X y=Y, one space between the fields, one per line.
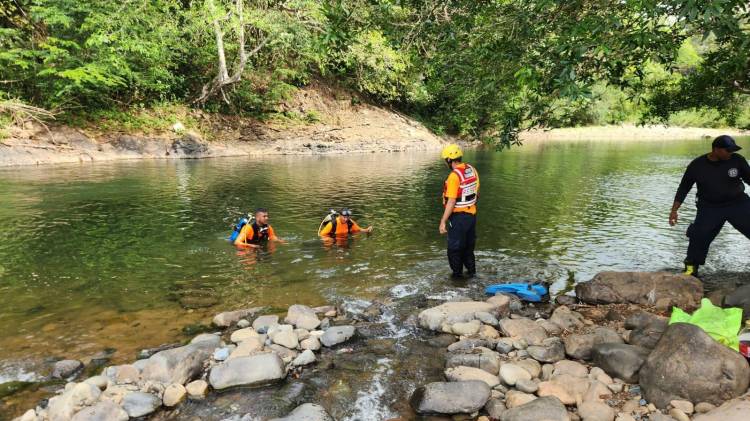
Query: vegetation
x=485 y=69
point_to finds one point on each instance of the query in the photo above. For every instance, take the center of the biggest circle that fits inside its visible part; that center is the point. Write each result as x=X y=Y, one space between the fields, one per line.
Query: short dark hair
x=260 y=210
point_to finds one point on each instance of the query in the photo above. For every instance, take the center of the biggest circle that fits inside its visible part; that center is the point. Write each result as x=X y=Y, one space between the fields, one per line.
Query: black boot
x=456 y=262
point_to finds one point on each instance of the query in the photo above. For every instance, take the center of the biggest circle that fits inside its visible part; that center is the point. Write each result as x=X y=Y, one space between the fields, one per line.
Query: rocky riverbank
x=607 y=354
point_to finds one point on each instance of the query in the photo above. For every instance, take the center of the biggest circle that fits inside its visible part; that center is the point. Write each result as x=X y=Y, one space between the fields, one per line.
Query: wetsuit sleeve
x=244 y=232
x=745 y=171
x=326 y=229
x=685 y=185
x=355 y=227
x=452 y=185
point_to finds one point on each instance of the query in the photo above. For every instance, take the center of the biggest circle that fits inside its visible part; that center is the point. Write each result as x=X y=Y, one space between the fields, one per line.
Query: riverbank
x=628 y=132
x=609 y=352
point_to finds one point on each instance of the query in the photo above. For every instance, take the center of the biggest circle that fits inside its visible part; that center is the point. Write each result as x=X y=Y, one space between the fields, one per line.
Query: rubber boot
x=691 y=269
x=471 y=265
x=455 y=262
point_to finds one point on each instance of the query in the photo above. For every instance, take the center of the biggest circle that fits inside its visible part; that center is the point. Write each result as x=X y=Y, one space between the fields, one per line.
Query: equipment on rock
x=244 y=220
x=744 y=339
x=722 y=324
x=527 y=292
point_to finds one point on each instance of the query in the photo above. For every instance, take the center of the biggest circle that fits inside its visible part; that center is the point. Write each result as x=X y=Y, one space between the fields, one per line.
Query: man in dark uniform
x=721 y=198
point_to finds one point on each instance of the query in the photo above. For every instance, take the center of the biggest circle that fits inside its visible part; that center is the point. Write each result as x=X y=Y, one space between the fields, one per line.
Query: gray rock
x=221 y=354
x=489 y=362
x=504 y=345
x=305 y=358
x=620 y=360
x=525 y=329
x=646 y=288
x=495 y=408
x=646 y=329
x=178 y=365
x=228 y=318
x=336 y=335
x=566 y=318
x=595 y=411
x=486 y=318
x=450 y=397
x=455 y=312
x=212 y=339
x=307 y=412
x=687 y=364
x=102 y=411
x=138 y=404
x=76 y=395
x=733 y=410
x=247 y=371
x=551 y=350
x=98 y=381
x=579 y=346
x=263 y=323
x=468 y=344
x=302 y=317
x=66 y=368
x=740 y=297
x=547 y=408
x=527 y=386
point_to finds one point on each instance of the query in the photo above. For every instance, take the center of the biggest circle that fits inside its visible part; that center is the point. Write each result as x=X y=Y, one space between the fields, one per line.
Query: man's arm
x=357 y=228
x=446 y=214
x=682 y=191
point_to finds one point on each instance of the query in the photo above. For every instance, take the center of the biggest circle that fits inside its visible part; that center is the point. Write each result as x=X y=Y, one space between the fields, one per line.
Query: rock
x=466 y=329
x=486 y=318
x=515 y=398
x=495 y=408
x=511 y=373
x=687 y=364
x=566 y=300
x=468 y=344
x=228 y=318
x=248 y=371
x=566 y=388
x=99 y=381
x=520 y=344
x=547 y=370
x=211 y=338
x=336 y=335
x=579 y=346
x=645 y=288
x=599 y=374
x=647 y=336
x=286 y=354
x=489 y=332
x=302 y=333
x=704 y=407
x=178 y=365
x=684 y=406
x=596 y=392
x=265 y=323
x=302 y=317
x=102 y=411
x=545 y=408
x=526 y=386
x=197 y=389
x=138 y=404
x=461 y=374
x=450 y=397
x=572 y=368
x=658 y=416
x=126 y=374
x=307 y=412
x=66 y=368
x=551 y=350
x=174 y=394
x=596 y=411
x=248 y=347
x=75 y=397
x=504 y=345
x=566 y=318
x=620 y=360
x=678 y=415
x=221 y=354
x=243 y=335
x=305 y=358
x=243 y=323
x=286 y=339
x=525 y=329
x=501 y=304
x=532 y=366
x=624 y=417
x=29 y=415
x=733 y=410
x=311 y=343
x=615 y=387
x=455 y=312
x=739 y=297
x=551 y=328
x=489 y=362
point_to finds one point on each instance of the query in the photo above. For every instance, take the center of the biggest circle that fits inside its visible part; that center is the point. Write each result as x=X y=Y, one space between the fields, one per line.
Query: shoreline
x=627 y=132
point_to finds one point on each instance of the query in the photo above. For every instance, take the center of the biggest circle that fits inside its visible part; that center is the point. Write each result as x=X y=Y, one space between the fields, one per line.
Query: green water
x=123 y=255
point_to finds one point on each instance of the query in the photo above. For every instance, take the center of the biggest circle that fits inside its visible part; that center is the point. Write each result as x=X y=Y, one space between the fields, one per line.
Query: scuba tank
x=328 y=218
x=244 y=220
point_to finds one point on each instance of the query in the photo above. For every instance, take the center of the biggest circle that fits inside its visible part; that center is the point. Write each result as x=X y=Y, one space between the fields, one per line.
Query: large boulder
x=580 y=345
x=662 y=289
x=247 y=371
x=646 y=329
x=307 y=412
x=487 y=361
x=546 y=408
x=302 y=316
x=620 y=360
x=229 y=318
x=450 y=397
x=102 y=411
x=179 y=365
x=734 y=410
x=525 y=329
x=455 y=312
x=75 y=397
x=740 y=297
x=687 y=364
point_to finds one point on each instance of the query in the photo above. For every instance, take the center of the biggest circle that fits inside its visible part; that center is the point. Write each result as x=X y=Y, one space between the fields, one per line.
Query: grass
x=146 y=120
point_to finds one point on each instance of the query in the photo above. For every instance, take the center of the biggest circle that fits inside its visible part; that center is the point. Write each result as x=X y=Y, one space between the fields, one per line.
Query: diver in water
x=253 y=232
x=340 y=225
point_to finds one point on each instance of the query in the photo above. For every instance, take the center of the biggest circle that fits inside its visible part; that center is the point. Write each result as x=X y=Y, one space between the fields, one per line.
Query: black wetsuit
x=721 y=198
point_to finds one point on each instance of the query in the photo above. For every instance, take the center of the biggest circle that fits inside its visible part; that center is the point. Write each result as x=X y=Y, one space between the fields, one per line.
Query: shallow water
x=122 y=256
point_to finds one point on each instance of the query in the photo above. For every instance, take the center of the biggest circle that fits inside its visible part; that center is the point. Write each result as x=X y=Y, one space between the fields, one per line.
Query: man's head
x=452 y=153
x=346 y=213
x=261 y=216
x=724 y=146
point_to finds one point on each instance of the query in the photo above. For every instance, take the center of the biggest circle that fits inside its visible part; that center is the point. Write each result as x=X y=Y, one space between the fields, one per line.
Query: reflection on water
x=123 y=255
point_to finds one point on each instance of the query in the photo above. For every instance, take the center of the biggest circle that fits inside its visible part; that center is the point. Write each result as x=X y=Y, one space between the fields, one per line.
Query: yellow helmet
x=452 y=151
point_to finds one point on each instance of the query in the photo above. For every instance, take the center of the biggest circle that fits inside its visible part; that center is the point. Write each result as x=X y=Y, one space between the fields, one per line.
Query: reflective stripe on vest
x=467 y=187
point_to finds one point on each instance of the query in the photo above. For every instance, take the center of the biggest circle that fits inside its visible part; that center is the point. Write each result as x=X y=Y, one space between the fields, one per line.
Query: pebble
x=243 y=323
x=174 y=394
x=704 y=407
x=684 y=406
x=527 y=386
x=221 y=354
x=197 y=389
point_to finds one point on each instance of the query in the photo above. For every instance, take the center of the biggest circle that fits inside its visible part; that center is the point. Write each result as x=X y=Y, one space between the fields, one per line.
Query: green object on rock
x=722 y=324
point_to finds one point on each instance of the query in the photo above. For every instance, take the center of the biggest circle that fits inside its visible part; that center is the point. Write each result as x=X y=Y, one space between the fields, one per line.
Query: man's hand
x=673 y=217
x=368 y=229
x=442 y=228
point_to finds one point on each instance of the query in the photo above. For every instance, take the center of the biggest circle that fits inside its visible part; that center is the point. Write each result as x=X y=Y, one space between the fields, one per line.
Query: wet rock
x=102 y=411
x=514 y=398
x=688 y=364
x=511 y=373
x=197 y=389
x=302 y=317
x=468 y=344
x=527 y=386
x=442 y=341
x=572 y=368
x=489 y=362
x=545 y=408
x=525 y=329
x=264 y=323
x=307 y=412
x=336 y=335
x=495 y=408
x=174 y=394
x=566 y=318
x=75 y=397
x=595 y=411
x=466 y=329
x=305 y=358
x=138 y=404
x=454 y=312
x=229 y=318
x=247 y=371
x=66 y=368
x=579 y=346
x=450 y=397
x=178 y=365
x=462 y=374
x=645 y=288
x=620 y=360
x=551 y=350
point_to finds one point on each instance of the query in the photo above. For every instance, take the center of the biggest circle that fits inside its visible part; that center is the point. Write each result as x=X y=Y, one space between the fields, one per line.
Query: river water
x=98 y=261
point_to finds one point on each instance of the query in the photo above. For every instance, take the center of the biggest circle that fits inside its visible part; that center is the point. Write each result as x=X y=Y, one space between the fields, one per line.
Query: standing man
x=721 y=198
x=459 y=220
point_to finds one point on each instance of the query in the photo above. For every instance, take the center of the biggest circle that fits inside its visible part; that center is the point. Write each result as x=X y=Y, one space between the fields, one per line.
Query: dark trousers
x=708 y=222
x=462 y=236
